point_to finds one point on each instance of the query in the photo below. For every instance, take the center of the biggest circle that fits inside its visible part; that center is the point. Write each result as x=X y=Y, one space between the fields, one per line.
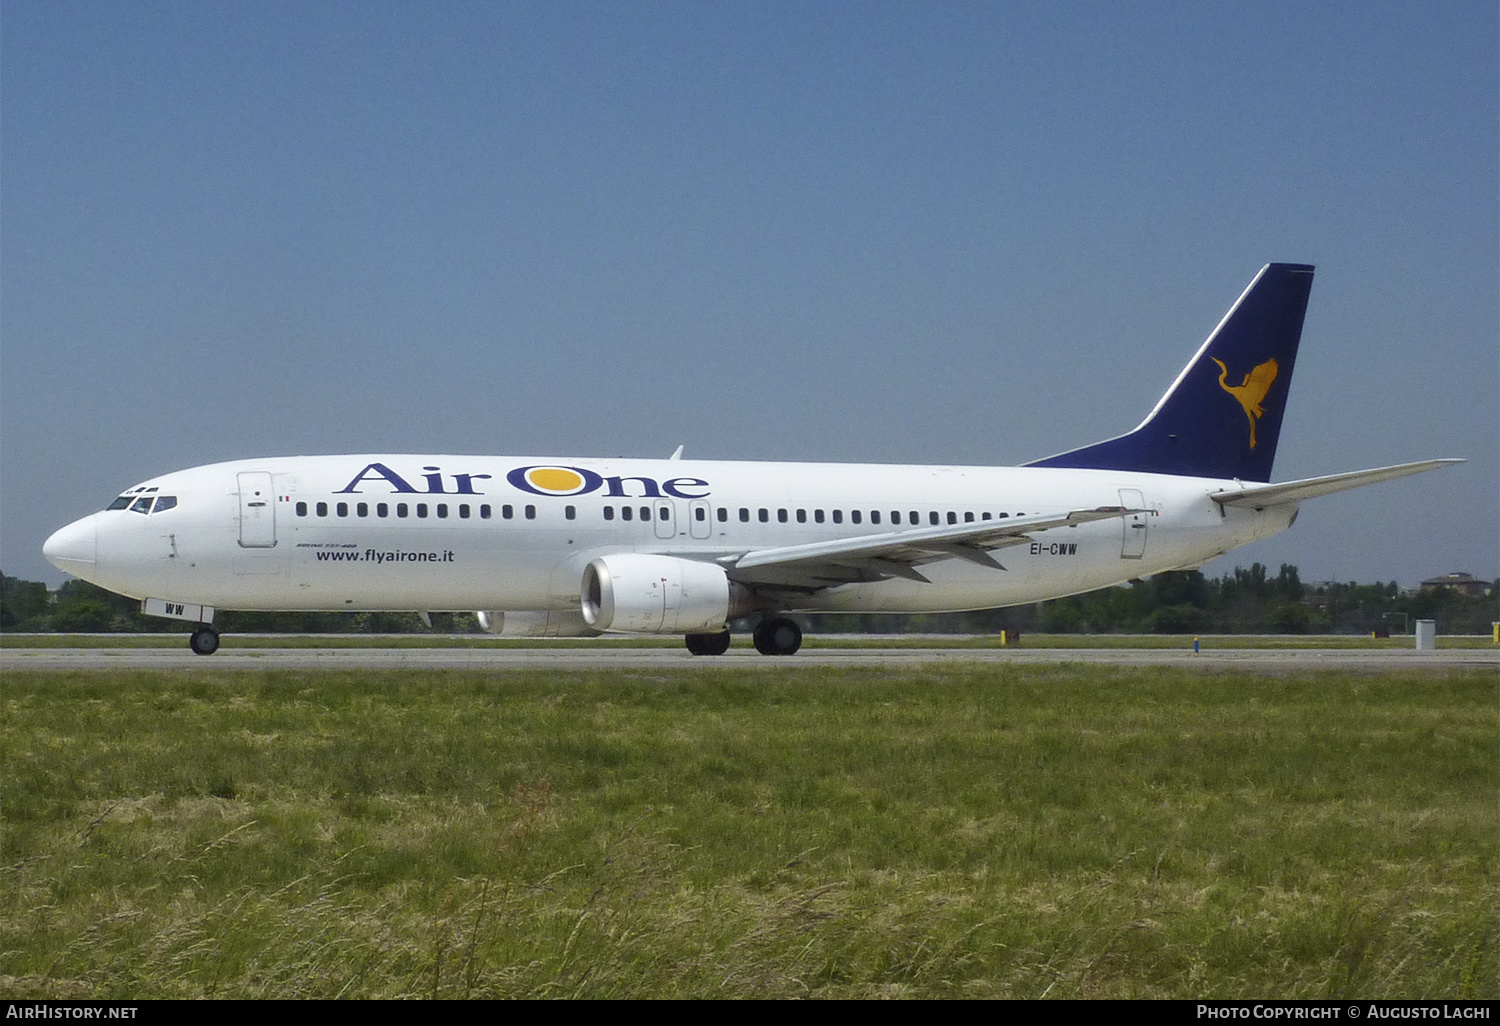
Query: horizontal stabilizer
x=1261 y=496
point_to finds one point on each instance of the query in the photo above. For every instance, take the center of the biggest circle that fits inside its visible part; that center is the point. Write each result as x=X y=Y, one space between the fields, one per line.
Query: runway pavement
x=742 y=659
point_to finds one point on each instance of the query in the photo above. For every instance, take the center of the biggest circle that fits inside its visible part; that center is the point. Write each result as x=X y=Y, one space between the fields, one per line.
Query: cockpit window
x=138 y=503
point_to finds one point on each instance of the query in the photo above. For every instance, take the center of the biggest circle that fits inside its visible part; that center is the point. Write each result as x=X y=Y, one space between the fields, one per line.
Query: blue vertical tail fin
x=1222 y=416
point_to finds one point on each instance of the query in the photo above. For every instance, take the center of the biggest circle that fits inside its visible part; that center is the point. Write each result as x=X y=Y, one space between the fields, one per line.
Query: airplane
x=570 y=546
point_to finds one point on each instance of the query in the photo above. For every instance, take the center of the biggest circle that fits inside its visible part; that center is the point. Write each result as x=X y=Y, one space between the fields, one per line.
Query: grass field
x=955 y=831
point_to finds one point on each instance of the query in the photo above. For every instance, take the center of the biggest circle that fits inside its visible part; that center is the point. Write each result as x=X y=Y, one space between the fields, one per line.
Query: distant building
x=1464 y=584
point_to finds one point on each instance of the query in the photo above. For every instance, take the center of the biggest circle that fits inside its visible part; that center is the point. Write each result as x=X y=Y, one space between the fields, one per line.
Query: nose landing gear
x=205 y=640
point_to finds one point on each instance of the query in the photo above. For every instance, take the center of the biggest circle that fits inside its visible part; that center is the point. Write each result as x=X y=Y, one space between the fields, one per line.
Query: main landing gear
x=708 y=644
x=775 y=635
x=205 y=640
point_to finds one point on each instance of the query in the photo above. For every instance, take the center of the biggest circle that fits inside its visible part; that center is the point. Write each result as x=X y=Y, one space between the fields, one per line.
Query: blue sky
x=947 y=233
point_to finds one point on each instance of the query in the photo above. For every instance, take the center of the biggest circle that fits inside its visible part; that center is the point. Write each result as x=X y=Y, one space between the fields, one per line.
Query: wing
x=879 y=557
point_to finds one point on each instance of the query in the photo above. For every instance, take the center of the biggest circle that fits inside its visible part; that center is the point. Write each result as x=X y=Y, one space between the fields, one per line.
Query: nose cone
x=74 y=548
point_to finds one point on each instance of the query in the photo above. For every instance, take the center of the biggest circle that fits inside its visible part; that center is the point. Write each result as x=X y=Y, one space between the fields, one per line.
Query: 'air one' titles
x=537 y=480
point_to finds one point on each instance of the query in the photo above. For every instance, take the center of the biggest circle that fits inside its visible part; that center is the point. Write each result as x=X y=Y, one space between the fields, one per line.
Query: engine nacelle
x=644 y=594
x=536 y=623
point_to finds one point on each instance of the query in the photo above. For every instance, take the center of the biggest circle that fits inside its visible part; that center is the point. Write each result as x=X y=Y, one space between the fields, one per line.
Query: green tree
x=1289 y=618
x=1288 y=584
x=1182 y=618
x=82 y=606
x=22 y=603
x=83 y=616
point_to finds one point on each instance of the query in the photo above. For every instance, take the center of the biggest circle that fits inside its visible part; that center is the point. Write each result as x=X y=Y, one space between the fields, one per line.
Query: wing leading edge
x=879 y=557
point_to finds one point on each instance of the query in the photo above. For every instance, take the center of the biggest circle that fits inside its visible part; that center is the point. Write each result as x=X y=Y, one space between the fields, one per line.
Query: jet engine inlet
x=647 y=594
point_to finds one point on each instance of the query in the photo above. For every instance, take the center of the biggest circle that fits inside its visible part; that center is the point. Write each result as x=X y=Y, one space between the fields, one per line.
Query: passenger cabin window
x=302 y=509
x=382 y=509
x=322 y=509
x=484 y=511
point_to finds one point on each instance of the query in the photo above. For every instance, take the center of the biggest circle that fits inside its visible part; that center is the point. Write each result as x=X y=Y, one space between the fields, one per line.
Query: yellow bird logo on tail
x=1250 y=392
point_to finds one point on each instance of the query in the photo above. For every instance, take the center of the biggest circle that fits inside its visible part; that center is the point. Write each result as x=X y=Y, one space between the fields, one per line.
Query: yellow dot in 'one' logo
x=555 y=479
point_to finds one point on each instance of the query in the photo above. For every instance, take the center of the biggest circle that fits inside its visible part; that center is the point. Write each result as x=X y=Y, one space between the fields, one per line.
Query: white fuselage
x=429 y=533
